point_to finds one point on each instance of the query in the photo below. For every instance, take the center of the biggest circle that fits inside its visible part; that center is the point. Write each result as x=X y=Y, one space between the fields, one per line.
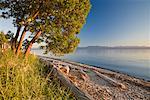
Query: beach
x=99 y=83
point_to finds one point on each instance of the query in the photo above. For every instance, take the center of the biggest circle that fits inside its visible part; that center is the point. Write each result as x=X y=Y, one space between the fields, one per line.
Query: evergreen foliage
x=54 y=22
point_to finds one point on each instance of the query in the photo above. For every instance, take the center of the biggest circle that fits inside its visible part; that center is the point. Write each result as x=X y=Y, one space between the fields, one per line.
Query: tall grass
x=23 y=79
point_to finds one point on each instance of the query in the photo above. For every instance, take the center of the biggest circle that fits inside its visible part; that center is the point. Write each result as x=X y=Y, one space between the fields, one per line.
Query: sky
x=111 y=23
x=117 y=23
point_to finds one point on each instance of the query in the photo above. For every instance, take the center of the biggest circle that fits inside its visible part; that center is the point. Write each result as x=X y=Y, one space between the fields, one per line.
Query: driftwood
x=125 y=78
x=77 y=92
x=111 y=81
x=136 y=81
x=80 y=95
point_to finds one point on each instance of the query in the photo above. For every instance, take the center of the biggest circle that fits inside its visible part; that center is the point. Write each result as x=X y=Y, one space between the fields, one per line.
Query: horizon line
x=112 y=46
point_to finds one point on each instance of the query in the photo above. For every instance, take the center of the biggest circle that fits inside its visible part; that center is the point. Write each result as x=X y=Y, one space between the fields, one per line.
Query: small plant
x=2 y=39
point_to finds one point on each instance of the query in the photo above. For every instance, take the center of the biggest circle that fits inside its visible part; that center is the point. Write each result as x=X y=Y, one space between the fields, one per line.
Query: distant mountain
x=116 y=47
x=107 y=47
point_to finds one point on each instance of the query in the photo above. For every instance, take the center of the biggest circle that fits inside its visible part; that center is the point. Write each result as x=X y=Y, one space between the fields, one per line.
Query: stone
x=65 y=69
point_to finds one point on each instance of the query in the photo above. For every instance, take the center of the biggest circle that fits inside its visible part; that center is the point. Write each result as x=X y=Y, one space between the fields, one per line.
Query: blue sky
x=112 y=23
x=117 y=22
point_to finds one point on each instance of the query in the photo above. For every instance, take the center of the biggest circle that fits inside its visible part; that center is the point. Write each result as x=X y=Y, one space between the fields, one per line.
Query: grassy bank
x=25 y=79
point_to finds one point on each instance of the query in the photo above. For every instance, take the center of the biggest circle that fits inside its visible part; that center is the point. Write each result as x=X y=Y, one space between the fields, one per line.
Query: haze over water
x=135 y=62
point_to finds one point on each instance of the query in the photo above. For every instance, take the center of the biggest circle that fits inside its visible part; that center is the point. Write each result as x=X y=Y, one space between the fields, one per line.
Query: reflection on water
x=134 y=62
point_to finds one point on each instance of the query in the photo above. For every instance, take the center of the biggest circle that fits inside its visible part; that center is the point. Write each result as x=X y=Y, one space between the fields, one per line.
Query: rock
x=84 y=76
x=64 y=69
x=123 y=86
x=73 y=78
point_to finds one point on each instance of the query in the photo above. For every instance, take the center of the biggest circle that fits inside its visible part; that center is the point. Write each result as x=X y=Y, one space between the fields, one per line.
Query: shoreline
x=80 y=63
x=119 y=72
x=100 y=82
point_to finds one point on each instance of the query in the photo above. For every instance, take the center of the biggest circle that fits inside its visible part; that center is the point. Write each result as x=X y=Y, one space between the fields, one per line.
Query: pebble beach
x=102 y=84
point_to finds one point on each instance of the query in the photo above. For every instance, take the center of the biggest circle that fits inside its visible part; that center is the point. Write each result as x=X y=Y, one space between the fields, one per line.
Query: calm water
x=135 y=62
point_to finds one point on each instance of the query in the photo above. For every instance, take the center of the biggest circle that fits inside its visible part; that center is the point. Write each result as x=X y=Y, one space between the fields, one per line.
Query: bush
x=23 y=79
x=2 y=39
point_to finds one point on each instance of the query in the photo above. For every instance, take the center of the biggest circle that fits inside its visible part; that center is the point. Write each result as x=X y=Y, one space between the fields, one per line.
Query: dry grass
x=22 y=79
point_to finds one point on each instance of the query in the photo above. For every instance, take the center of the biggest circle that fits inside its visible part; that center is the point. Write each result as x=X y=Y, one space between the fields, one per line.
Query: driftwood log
x=103 y=73
x=80 y=95
x=125 y=78
x=111 y=81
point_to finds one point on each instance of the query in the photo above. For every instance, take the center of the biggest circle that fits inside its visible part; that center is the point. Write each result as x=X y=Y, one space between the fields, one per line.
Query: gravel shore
x=102 y=84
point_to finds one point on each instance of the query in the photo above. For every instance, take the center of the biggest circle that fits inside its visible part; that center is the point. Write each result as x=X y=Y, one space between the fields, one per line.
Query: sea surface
x=134 y=62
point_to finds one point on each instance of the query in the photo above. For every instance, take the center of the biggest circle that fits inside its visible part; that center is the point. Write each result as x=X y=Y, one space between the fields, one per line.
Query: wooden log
x=111 y=81
x=80 y=95
x=66 y=82
x=136 y=81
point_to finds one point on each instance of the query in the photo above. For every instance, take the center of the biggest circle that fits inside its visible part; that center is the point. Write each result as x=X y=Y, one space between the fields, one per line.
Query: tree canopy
x=54 y=22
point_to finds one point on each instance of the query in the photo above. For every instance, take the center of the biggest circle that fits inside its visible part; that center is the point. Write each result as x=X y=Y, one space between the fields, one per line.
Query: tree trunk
x=31 y=43
x=35 y=15
x=14 y=41
x=22 y=36
x=20 y=41
x=17 y=35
